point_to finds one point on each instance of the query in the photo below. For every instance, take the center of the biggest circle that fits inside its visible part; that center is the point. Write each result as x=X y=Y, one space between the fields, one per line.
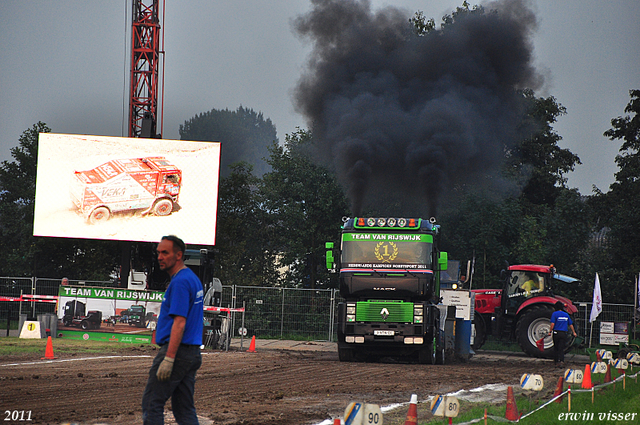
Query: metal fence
x=280 y=313
x=610 y=313
x=17 y=286
x=284 y=313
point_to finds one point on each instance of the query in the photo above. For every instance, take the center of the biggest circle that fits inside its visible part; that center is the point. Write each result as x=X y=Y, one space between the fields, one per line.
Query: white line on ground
x=71 y=360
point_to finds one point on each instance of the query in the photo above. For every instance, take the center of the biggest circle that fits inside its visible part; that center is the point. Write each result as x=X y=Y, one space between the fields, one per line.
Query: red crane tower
x=144 y=112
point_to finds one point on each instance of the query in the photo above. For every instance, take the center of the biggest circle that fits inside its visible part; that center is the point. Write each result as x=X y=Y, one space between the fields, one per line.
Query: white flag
x=596 y=308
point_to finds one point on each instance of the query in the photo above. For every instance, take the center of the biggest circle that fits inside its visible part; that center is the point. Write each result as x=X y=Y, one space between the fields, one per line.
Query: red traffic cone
x=336 y=421
x=607 y=376
x=586 y=380
x=252 y=346
x=559 y=389
x=511 y=413
x=48 y=352
x=412 y=414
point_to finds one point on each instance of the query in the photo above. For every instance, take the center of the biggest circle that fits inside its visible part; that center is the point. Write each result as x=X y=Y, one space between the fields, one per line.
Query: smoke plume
x=411 y=116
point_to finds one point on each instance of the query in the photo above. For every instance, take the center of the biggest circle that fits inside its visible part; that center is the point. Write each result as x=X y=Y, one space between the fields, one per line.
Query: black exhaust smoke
x=407 y=117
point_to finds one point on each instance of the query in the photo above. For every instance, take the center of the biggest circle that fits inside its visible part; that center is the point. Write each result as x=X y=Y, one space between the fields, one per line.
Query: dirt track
x=266 y=387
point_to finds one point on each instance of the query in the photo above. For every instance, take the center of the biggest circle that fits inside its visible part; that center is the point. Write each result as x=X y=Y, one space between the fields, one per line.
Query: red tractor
x=521 y=311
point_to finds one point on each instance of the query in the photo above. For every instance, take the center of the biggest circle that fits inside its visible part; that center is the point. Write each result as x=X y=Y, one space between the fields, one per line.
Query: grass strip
x=612 y=404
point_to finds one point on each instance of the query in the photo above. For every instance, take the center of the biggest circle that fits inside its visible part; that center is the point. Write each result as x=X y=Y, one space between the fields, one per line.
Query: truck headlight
x=351 y=310
x=418 y=314
x=351 y=317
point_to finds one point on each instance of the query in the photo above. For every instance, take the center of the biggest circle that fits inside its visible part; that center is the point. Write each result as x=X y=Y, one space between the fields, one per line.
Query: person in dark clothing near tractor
x=561 y=324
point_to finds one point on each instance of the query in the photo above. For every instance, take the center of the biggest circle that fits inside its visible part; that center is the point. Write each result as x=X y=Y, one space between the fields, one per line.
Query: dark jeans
x=180 y=387
x=559 y=345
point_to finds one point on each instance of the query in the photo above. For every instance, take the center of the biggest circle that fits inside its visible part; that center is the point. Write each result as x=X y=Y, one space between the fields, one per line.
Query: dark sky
x=65 y=63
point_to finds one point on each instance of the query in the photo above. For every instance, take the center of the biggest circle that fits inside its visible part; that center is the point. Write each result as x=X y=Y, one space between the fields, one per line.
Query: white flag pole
x=596 y=307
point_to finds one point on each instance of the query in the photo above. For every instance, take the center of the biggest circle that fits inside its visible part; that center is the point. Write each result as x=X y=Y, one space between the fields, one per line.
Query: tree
x=245 y=136
x=620 y=208
x=305 y=206
x=244 y=252
x=17 y=196
x=27 y=255
x=538 y=162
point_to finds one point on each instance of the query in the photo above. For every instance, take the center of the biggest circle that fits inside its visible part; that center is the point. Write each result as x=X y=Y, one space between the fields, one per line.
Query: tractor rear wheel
x=533 y=325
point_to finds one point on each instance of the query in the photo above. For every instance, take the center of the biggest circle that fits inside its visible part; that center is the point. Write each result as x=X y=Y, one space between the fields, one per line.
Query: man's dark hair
x=178 y=243
x=558 y=305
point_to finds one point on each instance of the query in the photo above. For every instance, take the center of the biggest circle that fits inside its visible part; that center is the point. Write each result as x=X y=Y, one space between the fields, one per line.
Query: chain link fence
x=271 y=313
x=284 y=313
x=620 y=313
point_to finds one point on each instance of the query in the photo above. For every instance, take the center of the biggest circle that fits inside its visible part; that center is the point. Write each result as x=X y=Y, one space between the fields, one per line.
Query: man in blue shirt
x=561 y=323
x=179 y=334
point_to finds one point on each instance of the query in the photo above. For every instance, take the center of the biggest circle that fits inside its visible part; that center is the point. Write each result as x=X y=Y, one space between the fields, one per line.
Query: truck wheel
x=346 y=354
x=427 y=354
x=99 y=215
x=163 y=207
x=85 y=325
x=441 y=357
x=480 y=329
x=533 y=325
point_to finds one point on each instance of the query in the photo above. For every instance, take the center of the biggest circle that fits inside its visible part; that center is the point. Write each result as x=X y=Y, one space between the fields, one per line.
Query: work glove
x=164 y=371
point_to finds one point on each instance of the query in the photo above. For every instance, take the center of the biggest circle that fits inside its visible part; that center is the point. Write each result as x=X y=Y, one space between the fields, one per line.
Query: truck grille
x=371 y=311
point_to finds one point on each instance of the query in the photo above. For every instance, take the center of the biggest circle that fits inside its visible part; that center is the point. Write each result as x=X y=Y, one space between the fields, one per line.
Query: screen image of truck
x=148 y=185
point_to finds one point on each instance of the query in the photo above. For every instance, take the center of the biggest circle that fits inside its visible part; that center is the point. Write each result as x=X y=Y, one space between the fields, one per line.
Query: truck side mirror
x=443 y=260
x=329 y=257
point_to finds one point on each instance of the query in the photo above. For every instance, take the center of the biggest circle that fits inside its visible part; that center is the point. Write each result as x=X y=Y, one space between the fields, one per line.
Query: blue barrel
x=463 y=338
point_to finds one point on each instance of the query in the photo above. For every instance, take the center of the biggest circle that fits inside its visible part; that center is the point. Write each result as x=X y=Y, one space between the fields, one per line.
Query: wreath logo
x=382 y=252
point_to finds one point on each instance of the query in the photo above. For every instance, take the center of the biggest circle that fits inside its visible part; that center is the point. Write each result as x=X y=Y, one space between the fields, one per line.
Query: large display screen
x=130 y=189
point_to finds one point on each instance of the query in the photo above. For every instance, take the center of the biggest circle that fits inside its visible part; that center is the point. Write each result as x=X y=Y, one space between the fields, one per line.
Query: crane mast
x=144 y=110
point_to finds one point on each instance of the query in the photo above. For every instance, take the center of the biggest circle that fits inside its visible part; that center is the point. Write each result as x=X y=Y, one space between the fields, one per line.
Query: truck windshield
x=386 y=251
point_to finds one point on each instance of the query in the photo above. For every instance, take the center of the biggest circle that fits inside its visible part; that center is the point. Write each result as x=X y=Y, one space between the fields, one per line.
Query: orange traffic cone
x=586 y=380
x=336 y=421
x=512 y=409
x=48 y=352
x=607 y=376
x=252 y=346
x=559 y=389
x=412 y=414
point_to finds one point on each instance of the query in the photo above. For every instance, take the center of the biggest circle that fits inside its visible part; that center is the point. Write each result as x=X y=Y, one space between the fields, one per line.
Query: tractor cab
x=522 y=285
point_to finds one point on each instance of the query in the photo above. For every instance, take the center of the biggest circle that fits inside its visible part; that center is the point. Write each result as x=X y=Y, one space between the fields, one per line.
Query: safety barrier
x=556 y=397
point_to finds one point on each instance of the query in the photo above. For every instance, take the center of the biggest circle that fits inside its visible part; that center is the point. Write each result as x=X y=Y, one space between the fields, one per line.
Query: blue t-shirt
x=184 y=298
x=561 y=320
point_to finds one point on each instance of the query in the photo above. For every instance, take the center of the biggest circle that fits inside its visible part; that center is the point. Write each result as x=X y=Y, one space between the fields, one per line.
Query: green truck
x=389 y=270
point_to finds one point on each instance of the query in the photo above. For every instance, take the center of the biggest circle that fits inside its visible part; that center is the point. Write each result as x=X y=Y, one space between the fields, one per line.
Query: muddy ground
x=274 y=387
